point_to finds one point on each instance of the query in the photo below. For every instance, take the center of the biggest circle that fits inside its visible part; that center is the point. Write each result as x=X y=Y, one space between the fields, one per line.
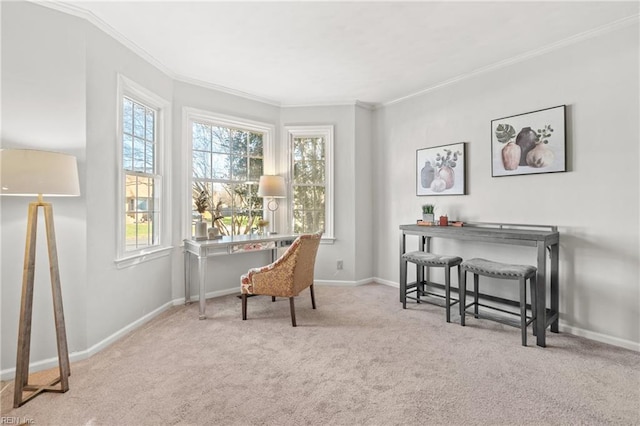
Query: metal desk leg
x=403 y=245
x=555 y=290
x=187 y=278
x=202 y=268
x=541 y=295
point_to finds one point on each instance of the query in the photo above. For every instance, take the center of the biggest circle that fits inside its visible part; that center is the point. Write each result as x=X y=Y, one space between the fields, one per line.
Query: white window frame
x=162 y=162
x=191 y=115
x=325 y=131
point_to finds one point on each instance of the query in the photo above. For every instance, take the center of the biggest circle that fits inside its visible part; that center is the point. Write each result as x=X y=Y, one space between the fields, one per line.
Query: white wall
x=595 y=204
x=43 y=107
x=116 y=297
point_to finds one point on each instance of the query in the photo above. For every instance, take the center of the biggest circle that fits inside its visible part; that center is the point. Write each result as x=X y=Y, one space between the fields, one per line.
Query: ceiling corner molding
x=322 y=104
x=227 y=90
x=613 y=26
x=371 y=106
x=108 y=29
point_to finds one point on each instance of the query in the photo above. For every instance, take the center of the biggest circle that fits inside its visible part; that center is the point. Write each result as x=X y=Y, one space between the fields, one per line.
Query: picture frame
x=529 y=143
x=441 y=170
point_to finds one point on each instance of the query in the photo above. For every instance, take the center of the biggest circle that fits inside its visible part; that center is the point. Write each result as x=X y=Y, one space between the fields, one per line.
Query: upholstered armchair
x=286 y=277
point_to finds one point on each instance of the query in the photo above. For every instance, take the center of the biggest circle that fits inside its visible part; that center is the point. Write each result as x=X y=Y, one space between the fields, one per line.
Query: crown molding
x=108 y=29
x=613 y=26
x=223 y=89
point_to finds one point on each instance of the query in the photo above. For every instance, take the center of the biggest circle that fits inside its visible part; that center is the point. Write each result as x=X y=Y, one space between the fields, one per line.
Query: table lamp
x=25 y=172
x=273 y=187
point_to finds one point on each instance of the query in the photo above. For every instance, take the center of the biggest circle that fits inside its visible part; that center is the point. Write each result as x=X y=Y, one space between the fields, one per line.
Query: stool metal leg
x=420 y=276
x=476 y=292
x=447 y=292
x=462 y=294
x=403 y=283
x=532 y=284
x=523 y=310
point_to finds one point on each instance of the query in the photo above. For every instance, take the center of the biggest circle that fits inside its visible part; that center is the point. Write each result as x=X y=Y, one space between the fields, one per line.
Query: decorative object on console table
x=27 y=172
x=441 y=170
x=427 y=212
x=201 y=204
x=529 y=143
x=444 y=221
x=273 y=187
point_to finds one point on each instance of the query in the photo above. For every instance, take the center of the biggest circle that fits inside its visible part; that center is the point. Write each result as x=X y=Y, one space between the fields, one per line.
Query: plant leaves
x=505 y=132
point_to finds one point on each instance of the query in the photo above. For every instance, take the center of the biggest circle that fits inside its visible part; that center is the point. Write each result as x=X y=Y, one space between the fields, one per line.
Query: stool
x=505 y=271
x=430 y=260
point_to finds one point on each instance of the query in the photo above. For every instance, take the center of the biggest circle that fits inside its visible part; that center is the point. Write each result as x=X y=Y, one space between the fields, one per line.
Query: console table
x=225 y=246
x=543 y=238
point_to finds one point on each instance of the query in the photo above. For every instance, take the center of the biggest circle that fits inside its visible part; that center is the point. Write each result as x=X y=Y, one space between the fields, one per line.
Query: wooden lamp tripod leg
x=26 y=310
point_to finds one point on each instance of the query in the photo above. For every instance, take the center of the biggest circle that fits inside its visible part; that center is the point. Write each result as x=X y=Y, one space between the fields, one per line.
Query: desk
x=223 y=247
x=543 y=238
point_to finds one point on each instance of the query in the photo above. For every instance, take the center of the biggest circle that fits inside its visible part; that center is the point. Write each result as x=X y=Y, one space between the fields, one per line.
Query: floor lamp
x=272 y=186
x=25 y=172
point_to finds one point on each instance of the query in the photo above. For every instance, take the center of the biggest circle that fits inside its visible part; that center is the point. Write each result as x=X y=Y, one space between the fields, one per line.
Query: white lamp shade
x=28 y=172
x=272 y=186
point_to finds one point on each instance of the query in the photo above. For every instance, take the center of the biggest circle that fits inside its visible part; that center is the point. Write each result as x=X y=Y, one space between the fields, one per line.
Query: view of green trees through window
x=308 y=184
x=227 y=164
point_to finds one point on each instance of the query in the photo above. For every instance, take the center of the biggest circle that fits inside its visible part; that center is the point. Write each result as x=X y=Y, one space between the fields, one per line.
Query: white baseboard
x=565 y=328
x=337 y=283
x=599 y=337
x=46 y=364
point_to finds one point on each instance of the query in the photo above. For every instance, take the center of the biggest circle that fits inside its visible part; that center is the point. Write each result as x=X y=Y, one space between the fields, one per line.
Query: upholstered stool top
x=431 y=259
x=498 y=269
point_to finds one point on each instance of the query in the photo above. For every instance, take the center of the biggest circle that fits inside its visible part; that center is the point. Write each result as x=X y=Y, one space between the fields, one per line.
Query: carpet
x=359 y=359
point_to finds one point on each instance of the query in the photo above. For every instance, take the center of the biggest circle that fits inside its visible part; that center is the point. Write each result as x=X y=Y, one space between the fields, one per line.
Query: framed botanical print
x=440 y=170
x=529 y=143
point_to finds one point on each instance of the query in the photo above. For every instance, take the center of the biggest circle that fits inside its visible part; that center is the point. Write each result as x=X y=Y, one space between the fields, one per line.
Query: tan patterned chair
x=287 y=276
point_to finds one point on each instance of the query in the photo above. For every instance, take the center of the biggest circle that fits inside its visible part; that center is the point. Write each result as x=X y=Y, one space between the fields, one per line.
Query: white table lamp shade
x=272 y=186
x=28 y=172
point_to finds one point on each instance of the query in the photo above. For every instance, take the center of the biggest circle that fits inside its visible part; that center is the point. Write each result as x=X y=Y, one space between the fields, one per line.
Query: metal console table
x=223 y=247
x=543 y=238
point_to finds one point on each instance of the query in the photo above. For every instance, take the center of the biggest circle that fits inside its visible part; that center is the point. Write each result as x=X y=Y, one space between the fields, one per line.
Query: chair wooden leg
x=273 y=298
x=313 y=298
x=244 y=306
x=293 y=312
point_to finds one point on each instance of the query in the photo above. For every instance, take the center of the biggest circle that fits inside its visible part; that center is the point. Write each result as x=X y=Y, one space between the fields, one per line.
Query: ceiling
x=303 y=53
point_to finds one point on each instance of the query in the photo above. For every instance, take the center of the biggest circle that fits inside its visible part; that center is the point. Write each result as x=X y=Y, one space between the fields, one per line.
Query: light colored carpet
x=358 y=359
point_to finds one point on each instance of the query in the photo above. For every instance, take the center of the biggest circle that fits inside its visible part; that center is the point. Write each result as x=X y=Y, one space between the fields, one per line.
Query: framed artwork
x=441 y=170
x=529 y=143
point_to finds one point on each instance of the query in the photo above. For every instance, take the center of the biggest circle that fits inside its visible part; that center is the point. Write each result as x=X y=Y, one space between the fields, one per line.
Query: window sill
x=143 y=256
x=327 y=240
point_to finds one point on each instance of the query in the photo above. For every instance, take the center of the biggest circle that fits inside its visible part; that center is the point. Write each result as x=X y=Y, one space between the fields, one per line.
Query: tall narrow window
x=140 y=177
x=312 y=179
x=228 y=158
x=141 y=132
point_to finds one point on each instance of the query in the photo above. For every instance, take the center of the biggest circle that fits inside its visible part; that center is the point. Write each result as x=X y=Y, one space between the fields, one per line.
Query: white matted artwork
x=440 y=170
x=529 y=143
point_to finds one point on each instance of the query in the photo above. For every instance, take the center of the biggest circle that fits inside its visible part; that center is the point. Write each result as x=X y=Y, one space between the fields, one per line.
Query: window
x=228 y=157
x=141 y=131
x=311 y=153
